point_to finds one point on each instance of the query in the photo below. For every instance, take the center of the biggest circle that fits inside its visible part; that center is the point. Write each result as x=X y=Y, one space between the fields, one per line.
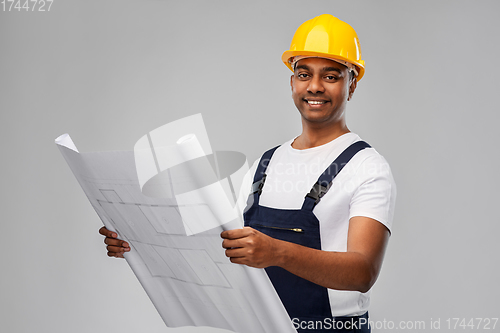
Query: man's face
x=320 y=89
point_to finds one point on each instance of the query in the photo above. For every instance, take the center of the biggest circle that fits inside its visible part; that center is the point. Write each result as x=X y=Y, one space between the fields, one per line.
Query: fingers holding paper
x=251 y=247
x=116 y=247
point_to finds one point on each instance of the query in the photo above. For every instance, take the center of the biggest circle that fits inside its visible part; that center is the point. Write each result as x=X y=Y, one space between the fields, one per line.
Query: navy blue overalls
x=302 y=299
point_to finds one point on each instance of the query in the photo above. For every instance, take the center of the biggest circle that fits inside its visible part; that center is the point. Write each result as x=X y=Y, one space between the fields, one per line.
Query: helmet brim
x=360 y=65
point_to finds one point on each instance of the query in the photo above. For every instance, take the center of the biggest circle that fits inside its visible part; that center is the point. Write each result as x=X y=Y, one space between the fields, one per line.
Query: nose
x=315 y=85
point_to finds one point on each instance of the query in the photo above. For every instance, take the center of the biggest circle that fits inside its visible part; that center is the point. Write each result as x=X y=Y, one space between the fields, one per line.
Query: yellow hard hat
x=326 y=36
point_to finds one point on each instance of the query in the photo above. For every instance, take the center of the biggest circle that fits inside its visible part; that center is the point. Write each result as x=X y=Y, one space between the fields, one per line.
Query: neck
x=314 y=135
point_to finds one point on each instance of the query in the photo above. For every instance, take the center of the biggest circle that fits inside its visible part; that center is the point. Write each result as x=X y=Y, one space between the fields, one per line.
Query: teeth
x=315 y=102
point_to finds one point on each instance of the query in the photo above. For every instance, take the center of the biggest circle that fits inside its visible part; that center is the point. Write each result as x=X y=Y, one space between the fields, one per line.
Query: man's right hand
x=116 y=247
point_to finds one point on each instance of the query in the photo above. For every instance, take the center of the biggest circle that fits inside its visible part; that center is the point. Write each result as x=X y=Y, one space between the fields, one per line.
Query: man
x=322 y=206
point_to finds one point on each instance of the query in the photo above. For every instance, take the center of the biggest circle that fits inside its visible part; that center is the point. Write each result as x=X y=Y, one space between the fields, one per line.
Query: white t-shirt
x=364 y=187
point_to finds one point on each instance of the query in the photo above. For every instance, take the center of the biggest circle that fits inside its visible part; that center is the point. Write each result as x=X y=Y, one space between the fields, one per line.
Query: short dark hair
x=351 y=75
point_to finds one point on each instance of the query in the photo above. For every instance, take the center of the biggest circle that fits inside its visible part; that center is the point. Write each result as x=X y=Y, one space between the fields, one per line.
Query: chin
x=314 y=116
x=315 y=120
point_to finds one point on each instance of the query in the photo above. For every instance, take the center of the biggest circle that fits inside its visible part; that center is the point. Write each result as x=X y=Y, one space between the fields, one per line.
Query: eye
x=302 y=75
x=330 y=78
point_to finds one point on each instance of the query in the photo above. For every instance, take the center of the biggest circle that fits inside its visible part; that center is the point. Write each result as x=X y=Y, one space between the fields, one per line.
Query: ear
x=352 y=88
x=291 y=81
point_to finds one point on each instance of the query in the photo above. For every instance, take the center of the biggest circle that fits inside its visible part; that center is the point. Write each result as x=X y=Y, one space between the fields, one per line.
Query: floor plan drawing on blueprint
x=174 y=231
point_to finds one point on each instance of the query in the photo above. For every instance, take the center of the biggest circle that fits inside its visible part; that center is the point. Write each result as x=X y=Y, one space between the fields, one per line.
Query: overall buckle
x=318 y=191
x=258 y=185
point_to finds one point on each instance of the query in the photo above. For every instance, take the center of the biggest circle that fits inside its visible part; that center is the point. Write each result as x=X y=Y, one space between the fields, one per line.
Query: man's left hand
x=250 y=247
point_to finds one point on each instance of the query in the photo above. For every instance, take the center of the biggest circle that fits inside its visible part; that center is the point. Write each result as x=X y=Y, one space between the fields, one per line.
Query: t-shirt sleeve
x=246 y=186
x=375 y=196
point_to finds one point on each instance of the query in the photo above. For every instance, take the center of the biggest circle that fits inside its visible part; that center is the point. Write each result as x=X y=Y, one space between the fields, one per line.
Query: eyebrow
x=331 y=69
x=324 y=69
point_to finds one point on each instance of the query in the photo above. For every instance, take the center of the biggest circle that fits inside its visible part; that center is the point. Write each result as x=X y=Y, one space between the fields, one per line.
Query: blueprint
x=170 y=199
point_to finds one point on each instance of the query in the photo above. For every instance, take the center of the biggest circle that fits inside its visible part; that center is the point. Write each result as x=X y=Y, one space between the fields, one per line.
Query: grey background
x=109 y=71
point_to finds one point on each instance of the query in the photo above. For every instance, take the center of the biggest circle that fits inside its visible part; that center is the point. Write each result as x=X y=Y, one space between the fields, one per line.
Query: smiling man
x=323 y=203
x=321 y=206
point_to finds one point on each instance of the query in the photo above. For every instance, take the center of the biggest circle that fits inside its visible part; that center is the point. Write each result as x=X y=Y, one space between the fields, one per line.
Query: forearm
x=335 y=270
x=356 y=269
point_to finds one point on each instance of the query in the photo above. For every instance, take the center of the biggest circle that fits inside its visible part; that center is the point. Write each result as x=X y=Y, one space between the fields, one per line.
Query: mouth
x=315 y=102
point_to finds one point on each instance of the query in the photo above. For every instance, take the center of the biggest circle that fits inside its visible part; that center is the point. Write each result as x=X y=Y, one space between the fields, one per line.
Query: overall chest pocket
x=296 y=226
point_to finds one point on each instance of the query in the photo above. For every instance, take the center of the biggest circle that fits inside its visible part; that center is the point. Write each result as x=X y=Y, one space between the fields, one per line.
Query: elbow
x=366 y=280
x=364 y=286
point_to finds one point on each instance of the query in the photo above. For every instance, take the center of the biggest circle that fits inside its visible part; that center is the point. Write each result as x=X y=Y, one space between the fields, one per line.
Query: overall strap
x=321 y=187
x=260 y=175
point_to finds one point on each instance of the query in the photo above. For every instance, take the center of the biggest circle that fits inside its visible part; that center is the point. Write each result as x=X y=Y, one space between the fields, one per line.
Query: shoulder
x=272 y=153
x=368 y=162
x=374 y=191
x=371 y=164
